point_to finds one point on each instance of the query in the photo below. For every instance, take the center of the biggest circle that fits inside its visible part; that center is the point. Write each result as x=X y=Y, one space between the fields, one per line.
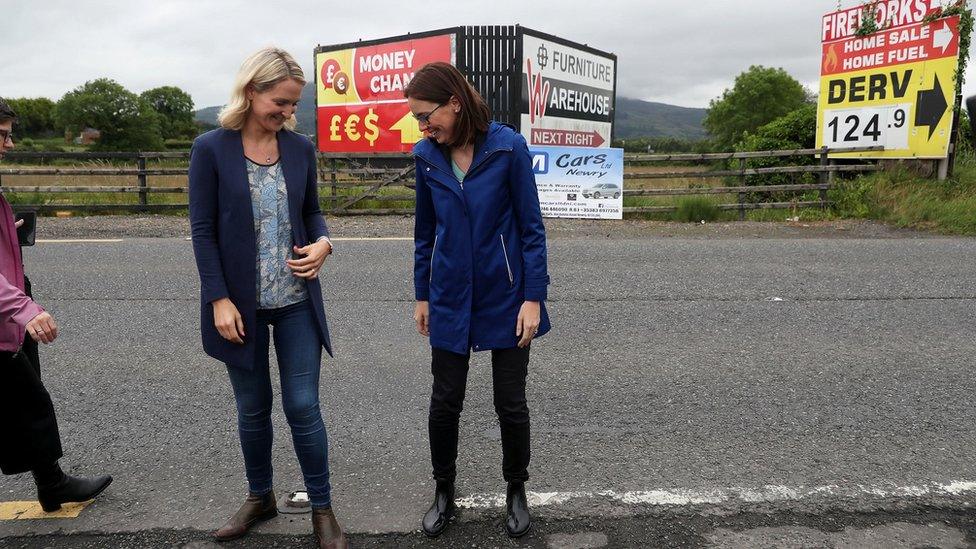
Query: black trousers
x=29 y=435
x=509 y=368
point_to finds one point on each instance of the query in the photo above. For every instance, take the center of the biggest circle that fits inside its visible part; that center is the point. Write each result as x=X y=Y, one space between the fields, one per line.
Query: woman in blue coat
x=480 y=274
x=260 y=241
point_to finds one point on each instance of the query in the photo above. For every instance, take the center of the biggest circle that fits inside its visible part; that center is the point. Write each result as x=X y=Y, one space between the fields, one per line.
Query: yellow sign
x=905 y=108
x=409 y=130
x=894 y=88
x=335 y=72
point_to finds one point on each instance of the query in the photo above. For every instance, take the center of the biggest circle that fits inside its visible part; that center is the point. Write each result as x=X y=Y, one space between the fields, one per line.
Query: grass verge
x=903 y=198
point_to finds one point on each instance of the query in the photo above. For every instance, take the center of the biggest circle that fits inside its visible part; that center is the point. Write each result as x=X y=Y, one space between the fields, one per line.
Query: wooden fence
x=383 y=183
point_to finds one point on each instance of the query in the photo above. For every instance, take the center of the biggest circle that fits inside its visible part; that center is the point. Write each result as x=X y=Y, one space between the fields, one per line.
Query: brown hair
x=6 y=113
x=438 y=82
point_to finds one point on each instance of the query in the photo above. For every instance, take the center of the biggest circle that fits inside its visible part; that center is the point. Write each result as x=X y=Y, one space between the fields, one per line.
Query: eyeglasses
x=7 y=134
x=425 y=118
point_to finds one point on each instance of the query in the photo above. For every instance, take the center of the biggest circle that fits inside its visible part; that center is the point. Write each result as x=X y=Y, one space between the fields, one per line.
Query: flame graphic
x=830 y=60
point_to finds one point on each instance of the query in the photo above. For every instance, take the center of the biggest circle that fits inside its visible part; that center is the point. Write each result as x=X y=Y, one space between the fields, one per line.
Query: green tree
x=796 y=130
x=175 y=109
x=759 y=96
x=35 y=116
x=126 y=122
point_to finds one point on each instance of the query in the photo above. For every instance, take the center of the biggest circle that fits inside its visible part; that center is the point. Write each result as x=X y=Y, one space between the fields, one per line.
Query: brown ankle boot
x=327 y=530
x=254 y=510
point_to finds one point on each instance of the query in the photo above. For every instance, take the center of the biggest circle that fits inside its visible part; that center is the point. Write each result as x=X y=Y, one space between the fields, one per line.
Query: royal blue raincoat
x=480 y=245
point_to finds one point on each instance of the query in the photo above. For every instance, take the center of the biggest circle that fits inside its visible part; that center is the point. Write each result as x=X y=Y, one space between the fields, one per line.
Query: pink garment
x=16 y=309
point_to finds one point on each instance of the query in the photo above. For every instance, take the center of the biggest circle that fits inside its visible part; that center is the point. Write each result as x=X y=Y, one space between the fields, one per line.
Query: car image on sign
x=602 y=190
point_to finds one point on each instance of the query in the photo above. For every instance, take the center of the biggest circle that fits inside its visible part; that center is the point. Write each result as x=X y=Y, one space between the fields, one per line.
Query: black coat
x=28 y=427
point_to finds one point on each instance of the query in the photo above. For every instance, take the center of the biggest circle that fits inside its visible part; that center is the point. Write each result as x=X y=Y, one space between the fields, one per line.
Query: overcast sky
x=682 y=53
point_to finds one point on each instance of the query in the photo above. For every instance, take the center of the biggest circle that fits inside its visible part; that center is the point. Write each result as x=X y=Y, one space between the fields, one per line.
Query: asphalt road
x=703 y=392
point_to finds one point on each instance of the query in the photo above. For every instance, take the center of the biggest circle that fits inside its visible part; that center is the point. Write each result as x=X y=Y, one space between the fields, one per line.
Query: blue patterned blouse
x=276 y=285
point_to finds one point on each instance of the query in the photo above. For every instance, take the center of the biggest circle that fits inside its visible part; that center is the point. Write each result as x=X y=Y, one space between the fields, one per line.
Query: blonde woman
x=260 y=241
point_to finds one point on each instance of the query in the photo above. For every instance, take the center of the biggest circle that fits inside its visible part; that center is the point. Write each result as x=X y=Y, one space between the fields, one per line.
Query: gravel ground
x=402 y=226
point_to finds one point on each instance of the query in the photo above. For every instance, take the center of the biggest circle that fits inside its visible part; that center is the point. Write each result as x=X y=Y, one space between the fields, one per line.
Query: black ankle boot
x=441 y=511
x=70 y=490
x=518 y=521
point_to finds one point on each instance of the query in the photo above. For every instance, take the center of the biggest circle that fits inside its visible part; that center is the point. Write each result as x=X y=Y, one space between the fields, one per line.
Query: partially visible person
x=29 y=437
x=260 y=241
x=480 y=275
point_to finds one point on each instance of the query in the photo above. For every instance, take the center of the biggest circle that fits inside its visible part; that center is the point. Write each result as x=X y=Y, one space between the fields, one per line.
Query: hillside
x=635 y=118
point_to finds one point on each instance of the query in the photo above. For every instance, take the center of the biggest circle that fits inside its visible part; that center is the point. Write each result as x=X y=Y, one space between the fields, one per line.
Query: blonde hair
x=263 y=70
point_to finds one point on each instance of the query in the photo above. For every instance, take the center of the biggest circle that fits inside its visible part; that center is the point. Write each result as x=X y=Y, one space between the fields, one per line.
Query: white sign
x=578 y=182
x=885 y=125
x=567 y=95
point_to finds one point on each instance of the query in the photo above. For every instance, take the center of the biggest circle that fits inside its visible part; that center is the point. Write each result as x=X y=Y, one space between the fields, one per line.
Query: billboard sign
x=579 y=182
x=894 y=87
x=567 y=93
x=360 y=104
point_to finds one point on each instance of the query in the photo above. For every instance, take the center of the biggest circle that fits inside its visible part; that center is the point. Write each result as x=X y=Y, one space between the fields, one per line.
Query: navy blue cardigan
x=224 y=243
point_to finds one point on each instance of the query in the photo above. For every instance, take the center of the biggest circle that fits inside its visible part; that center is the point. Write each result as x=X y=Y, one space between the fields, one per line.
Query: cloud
x=683 y=53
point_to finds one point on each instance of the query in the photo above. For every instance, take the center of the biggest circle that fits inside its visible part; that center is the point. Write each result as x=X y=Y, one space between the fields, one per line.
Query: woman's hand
x=528 y=321
x=228 y=321
x=421 y=315
x=42 y=328
x=315 y=254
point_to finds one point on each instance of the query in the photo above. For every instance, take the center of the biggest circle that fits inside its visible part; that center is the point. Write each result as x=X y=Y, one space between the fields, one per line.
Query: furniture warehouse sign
x=894 y=87
x=567 y=94
x=360 y=104
x=579 y=182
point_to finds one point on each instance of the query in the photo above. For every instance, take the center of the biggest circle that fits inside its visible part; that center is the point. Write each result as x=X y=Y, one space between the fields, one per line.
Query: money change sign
x=360 y=100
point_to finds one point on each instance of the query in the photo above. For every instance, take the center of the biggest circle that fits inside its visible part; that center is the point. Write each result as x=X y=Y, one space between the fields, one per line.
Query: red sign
x=360 y=100
x=887 y=14
x=908 y=44
x=376 y=127
x=383 y=71
x=566 y=138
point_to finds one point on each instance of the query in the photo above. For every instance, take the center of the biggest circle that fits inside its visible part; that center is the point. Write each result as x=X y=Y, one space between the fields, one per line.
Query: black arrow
x=930 y=107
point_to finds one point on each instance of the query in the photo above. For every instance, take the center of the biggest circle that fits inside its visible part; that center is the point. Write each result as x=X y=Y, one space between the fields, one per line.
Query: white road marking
x=764 y=494
x=75 y=240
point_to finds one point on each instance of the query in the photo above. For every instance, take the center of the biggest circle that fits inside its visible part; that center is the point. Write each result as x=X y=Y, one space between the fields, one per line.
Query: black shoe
x=441 y=511
x=70 y=490
x=518 y=521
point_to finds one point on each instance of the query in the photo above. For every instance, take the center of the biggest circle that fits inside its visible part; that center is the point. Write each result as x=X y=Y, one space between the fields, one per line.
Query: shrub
x=797 y=130
x=693 y=209
x=178 y=144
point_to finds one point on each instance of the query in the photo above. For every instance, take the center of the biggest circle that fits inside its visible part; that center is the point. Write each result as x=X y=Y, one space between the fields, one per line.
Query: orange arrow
x=409 y=130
